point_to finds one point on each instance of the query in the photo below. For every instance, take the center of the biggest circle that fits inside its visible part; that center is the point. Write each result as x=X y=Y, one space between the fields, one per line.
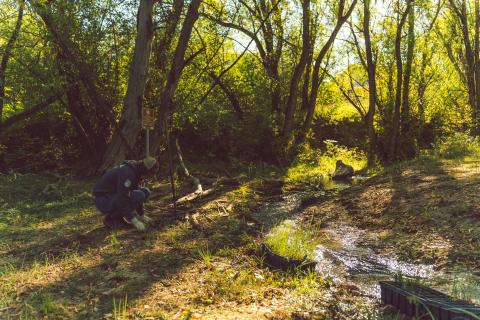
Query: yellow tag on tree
x=148 y=118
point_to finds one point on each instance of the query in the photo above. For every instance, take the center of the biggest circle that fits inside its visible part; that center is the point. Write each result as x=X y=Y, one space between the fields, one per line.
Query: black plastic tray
x=279 y=262
x=426 y=303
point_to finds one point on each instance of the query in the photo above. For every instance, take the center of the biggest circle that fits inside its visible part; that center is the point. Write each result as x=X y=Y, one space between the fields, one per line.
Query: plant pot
x=278 y=262
x=426 y=303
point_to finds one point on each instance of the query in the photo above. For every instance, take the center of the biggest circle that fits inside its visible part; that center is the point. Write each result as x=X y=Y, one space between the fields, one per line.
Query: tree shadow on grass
x=133 y=271
x=425 y=207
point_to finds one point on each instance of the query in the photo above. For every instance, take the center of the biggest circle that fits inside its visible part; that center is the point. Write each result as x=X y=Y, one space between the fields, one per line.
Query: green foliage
x=313 y=165
x=288 y=240
x=458 y=146
x=120 y=309
x=205 y=255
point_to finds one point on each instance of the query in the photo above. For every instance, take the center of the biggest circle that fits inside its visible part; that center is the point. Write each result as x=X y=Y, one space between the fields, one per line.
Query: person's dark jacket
x=119 y=181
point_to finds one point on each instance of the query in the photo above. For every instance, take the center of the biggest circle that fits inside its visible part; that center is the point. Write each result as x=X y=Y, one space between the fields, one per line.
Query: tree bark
x=372 y=86
x=398 y=92
x=408 y=145
x=316 y=77
x=7 y=54
x=297 y=73
x=104 y=115
x=130 y=123
x=166 y=100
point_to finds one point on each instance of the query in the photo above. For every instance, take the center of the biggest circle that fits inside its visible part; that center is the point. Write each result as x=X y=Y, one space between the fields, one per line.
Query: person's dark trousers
x=115 y=207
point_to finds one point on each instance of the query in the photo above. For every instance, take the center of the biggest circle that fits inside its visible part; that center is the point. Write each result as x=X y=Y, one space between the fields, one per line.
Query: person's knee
x=103 y=204
x=138 y=197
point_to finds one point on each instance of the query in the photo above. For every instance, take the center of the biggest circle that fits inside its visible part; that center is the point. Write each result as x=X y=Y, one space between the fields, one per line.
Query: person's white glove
x=145 y=219
x=139 y=225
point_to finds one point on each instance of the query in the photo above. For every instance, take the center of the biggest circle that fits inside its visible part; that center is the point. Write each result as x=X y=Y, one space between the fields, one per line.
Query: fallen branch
x=30 y=112
x=195 y=195
x=195 y=181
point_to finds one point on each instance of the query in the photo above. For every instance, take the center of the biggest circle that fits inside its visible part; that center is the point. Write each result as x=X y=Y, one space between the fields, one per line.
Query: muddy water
x=343 y=253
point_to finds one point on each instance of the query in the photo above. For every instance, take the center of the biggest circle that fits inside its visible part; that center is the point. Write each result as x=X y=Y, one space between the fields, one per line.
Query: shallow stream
x=343 y=253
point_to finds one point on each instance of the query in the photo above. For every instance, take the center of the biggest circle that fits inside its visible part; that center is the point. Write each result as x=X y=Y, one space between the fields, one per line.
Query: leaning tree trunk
x=7 y=54
x=166 y=100
x=130 y=123
x=84 y=73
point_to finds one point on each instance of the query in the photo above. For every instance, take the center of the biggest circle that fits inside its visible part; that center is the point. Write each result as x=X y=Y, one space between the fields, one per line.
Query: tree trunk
x=7 y=54
x=372 y=86
x=130 y=123
x=476 y=113
x=398 y=92
x=469 y=62
x=297 y=73
x=422 y=88
x=104 y=114
x=230 y=95
x=316 y=77
x=30 y=111
x=408 y=145
x=166 y=100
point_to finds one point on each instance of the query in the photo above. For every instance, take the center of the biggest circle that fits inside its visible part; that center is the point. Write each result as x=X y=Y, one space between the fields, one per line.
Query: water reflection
x=342 y=254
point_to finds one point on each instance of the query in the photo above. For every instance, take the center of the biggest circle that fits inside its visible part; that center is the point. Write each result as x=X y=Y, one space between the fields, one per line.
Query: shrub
x=457 y=146
x=311 y=165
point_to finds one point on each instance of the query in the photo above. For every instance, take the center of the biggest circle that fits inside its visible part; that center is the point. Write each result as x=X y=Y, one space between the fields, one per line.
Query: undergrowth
x=312 y=165
x=458 y=146
x=289 y=240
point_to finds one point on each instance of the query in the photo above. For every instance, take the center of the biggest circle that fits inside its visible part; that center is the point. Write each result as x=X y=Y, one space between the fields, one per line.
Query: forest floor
x=200 y=261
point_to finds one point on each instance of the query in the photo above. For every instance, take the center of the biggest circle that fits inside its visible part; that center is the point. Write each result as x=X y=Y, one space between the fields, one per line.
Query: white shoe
x=145 y=219
x=139 y=225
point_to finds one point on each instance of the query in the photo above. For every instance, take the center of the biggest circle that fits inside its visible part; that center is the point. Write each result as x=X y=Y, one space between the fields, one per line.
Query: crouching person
x=118 y=195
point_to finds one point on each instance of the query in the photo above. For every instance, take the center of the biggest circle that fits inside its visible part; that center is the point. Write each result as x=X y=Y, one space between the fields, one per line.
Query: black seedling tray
x=279 y=262
x=426 y=303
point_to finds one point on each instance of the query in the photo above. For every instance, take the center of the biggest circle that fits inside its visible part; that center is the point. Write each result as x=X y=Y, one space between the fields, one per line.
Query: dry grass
x=59 y=262
x=425 y=212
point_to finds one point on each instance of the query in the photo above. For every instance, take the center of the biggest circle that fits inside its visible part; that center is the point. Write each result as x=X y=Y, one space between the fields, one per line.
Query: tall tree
x=176 y=68
x=372 y=84
x=469 y=56
x=297 y=72
x=408 y=138
x=267 y=17
x=342 y=16
x=74 y=65
x=393 y=151
x=7 y=53
x=130 y=123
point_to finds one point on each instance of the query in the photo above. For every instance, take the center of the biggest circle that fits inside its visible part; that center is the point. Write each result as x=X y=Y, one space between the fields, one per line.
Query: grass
x=205 y=255
x=58 y=261
x=289 y=240
x=312 y=165
x=120 y=309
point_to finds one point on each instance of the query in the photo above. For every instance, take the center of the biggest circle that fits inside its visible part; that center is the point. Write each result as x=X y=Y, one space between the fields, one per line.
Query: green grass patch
x=289 y=240
x=312 y=166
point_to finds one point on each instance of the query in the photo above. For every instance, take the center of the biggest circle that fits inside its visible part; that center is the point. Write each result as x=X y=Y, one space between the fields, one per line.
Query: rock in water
x=342 y=171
